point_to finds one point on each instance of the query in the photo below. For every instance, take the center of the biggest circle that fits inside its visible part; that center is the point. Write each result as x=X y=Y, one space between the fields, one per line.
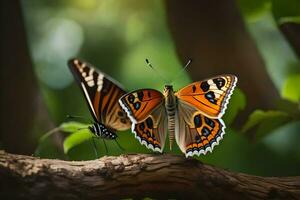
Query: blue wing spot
x=209 y=122
x=197 y=121
x=137 y=105
x=205 y=131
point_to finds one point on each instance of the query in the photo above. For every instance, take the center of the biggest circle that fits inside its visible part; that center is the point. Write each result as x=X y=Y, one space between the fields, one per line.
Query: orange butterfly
x=192 y=115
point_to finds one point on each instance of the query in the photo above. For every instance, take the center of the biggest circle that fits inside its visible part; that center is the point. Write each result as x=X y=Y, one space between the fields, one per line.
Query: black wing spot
x=140 y=95
x=142 y=126
x=131 y=98
x=194 y=88
x=210 y=96
x=149 y=94
x=149 y=122
x=204 y=86
x=197 y=121
x=205 y=131
x=120 y=114
x=137 y=105
x=197 y=138
x=209 y=122
x=220 y=82
x=105 y=87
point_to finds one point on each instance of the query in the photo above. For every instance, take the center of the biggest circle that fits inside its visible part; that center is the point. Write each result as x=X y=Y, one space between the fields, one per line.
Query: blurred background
x=257 y=40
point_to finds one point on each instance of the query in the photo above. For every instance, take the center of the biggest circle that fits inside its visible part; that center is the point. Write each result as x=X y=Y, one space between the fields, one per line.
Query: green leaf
x=266 y=121
x=291 y=89
x=236 y=104
x=71 y=126
x=76 y=139
x=294 y=19
x=289 y=107
x=282 y=9
x=253 y=9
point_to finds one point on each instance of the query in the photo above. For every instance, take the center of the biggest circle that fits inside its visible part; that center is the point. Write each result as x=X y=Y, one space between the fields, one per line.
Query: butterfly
x=102 y=94
x=192 y=115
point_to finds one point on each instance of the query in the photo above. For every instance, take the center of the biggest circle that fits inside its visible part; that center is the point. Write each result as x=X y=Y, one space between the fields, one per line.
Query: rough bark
x=134 y=176
x=213 y=34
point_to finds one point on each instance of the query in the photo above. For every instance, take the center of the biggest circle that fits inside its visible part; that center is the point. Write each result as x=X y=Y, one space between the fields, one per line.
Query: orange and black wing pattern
x=196 y=133
x=141 y=103
x=152 y=131
x=203 y=135
x=102 y=94
x=210 y=96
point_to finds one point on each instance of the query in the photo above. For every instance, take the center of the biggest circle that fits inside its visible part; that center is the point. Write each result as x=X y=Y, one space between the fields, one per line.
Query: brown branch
x=134 y=176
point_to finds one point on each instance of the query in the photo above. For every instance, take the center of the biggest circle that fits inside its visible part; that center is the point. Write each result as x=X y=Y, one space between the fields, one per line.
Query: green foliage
x=291 y=89
x=46 y=147
x=295 y=19
x=75 y=139
x=282 y=9
x=253 y=9
x=265 y=122
x=237 y=104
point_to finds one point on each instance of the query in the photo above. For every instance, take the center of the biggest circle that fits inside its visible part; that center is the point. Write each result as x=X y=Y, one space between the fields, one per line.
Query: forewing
x=102 y=94
x=196 y=133
x=140 y=104
x=210 y=96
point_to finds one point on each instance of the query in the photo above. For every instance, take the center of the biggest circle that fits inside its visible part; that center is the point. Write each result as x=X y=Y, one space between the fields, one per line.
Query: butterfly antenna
x=79 y=117
x=95 y=148
x=182 y=70
x=161 y=76
x=120 y=147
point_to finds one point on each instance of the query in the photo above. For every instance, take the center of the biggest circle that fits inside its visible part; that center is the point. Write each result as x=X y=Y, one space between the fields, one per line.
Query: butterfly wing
x=140 y=103
x=152 y=131
x=196 y=133
x=102 y=94
x=147 y=113
x=209 y=96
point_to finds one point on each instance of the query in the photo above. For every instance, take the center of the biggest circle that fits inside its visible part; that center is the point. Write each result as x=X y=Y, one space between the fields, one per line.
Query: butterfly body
x=101 y=131
x=170 y=106
x=192 y=115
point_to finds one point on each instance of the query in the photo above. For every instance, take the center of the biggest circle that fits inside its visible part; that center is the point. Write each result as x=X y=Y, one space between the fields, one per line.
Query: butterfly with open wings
x=192 y=115
x=102 y=94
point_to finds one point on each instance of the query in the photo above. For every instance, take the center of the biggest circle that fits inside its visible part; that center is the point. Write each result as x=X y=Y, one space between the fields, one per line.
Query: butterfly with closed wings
x=192 y=115
x=102 y=94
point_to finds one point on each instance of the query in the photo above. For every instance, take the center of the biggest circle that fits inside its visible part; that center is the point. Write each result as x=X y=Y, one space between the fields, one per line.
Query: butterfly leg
x=120 y=147
x=95 y=147
x=106 y=151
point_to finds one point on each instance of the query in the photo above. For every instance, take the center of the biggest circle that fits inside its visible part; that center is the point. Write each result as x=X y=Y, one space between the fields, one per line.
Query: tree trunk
x=21 y=103
x=18 y=84
x=213 y=34
x=134 y=176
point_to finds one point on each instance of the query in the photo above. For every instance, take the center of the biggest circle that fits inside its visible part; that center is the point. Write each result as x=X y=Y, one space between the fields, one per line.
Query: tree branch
x=134 y=176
